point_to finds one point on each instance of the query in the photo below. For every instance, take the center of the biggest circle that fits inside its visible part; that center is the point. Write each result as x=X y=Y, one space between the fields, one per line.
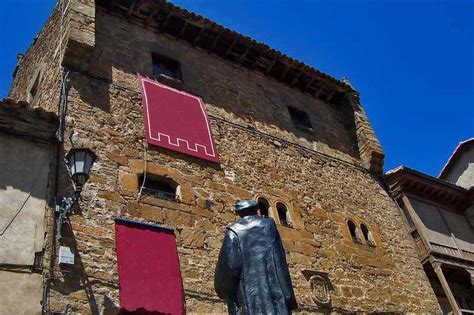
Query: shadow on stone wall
x=72 y=279
x=120 y=59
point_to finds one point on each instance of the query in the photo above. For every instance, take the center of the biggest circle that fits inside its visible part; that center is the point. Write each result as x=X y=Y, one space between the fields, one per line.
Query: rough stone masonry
x=88 y=54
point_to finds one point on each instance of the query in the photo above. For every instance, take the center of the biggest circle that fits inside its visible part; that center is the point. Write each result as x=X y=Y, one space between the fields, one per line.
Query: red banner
x=176 y=120
x=148 y=268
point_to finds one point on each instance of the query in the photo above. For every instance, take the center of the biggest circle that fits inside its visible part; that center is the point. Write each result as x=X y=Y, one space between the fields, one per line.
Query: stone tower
x=295 y=139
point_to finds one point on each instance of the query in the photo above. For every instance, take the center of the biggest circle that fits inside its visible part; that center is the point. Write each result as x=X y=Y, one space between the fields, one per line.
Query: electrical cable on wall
x=144 y=171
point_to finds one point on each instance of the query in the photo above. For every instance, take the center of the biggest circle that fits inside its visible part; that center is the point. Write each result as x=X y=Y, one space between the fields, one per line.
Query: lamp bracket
x=62 y=210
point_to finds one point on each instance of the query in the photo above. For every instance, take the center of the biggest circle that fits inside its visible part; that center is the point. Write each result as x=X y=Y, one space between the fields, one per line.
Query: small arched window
x=283 y=214
x=353 y=229
x=367 y=235
x=263 y=206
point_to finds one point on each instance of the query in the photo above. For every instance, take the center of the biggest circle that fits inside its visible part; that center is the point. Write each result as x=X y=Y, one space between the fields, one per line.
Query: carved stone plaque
x=319 y=285
x=319 y=289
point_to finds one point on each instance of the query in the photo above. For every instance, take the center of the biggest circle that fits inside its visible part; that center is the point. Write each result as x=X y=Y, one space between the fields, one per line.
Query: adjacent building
x=28 y=149
x=438 y=213
x=186 y=117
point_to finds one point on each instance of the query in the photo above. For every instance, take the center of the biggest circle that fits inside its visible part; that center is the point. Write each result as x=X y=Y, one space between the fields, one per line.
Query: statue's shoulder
x=236 y=226
x=249 y=222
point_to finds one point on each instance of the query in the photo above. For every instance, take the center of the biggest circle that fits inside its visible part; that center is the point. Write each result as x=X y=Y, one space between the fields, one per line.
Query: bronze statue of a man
x=252 y=274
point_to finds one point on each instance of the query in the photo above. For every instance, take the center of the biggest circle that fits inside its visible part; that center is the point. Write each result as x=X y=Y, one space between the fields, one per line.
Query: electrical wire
x=22 y=205
x=145 y=161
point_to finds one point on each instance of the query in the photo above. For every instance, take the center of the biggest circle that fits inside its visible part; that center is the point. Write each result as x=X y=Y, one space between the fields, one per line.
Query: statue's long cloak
x=252 y=269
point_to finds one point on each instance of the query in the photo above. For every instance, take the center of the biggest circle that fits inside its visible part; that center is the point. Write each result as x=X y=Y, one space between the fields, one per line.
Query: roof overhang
x=404 y=180
x=164 y=17
x=35 y=124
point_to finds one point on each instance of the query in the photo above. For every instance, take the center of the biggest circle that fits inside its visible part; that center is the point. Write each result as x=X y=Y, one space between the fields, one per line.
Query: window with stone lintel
x=160 y=187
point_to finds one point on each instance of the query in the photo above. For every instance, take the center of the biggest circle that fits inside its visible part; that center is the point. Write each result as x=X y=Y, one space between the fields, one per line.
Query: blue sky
x=412 y=61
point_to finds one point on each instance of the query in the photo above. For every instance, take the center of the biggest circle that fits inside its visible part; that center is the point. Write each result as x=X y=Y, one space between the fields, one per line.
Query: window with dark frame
x=353 y=230
x=35 y=87
x=367 y=235
x=300 y=119
x=166 y=66
x=263 y=206
x=160 y=187
x=283 y=214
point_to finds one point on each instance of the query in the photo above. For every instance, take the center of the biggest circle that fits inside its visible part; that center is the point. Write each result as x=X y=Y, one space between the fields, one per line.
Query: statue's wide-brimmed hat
x=244 y=205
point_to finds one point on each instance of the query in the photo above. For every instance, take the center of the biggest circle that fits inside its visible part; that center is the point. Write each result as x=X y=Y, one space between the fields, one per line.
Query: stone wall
x=318 y=175
x=41 y=64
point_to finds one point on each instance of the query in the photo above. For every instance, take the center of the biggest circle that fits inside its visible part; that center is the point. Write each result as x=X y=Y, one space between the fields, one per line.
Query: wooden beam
x=284 y=72
x=255 y=62
x=270 y=66
x=306 y=87
x=420 y=227
x=132 y=7
x=214 y=42
x=168 y=18
x=150 y=17
x=183 y=29
x=242 y=57
x=318 y=90
x=295 y=79
x=332 y=91
x=447 y=290
x=229 y=49
x=198 y=36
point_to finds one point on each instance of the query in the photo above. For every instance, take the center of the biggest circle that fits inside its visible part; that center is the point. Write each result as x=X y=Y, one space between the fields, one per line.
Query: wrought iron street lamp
x=79 y=162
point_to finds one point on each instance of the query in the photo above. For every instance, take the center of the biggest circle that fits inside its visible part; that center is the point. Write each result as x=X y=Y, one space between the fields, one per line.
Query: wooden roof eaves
x=263 y=50
x=404 y=179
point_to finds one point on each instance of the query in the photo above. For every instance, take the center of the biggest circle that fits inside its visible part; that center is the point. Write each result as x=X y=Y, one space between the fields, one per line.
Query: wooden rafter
x=297 y=76
x=242 y=57
x=214 y=42
x=318 y=90
x=287 y=68
x=331 y=93
x=253 y=56
x=165 y=23
x=183 y=29
x=270 y=66
x=150 y=17
x=132 y=7
x=198 y=36
x=306 y=87
x=234 y=42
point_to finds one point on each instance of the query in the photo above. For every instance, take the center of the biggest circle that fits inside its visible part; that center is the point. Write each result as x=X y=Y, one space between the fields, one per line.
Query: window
x=367 y=235
x=415 y=235
x=353 y=229
x=165 y=66
x=34 y=88
x=263 y=206
x=160 y=187
x=283 y=214
x=300 y=119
